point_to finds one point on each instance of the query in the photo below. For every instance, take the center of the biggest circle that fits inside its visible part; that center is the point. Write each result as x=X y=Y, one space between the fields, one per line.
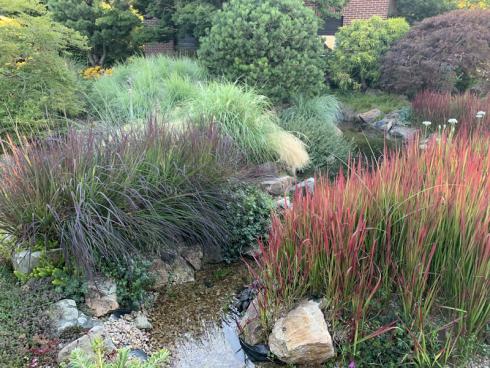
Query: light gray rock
x=284 y=203
x=25 y=261
x=308 y=185
x=302 y=336
x=370 y=116
x=384 y=125
x=250 y=326
x=141 y=322
x=84 y=343
x=64 y=314
x=402 y=132
x=101 y=297
x=277 y=186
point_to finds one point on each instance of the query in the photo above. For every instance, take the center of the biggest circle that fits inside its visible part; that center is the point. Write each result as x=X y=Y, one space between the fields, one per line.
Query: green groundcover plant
x=38 y=84
x=355 y=61
x=271 y=45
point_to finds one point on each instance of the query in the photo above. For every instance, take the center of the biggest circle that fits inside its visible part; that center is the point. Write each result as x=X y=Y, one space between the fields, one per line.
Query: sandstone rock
x=277 y=186
x=101 y=297
x=159 y=272
x=173 y=270
x=302 y=336
x=370 y=116
x=141 y=322
x=84 y=343
x=193 y=255
x=250 y=327
x=180 y=272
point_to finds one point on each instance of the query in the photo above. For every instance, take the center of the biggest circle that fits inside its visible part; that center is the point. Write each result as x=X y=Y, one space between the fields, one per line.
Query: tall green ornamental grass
x=413 y=235
x=112 y=195
x=314 y=121
x=176 y=90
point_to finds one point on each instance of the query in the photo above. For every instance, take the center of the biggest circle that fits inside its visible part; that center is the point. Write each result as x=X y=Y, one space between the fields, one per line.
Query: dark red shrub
x=447 y=53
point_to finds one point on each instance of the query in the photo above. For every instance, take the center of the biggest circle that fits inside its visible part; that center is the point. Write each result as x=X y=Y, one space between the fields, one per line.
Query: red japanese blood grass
x=415 y=229
x=438 y=108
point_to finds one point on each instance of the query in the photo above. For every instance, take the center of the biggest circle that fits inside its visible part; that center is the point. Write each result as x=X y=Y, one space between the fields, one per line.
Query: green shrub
x=132 y=279
x=271 y=45
x=112 y=28
x=194 y=18
x=250 y=220
x=415 y=10
x=176 y=90
x=314 y=121
x=80 y=359
x=38 y=85
x=447 y=53
x=355 y=61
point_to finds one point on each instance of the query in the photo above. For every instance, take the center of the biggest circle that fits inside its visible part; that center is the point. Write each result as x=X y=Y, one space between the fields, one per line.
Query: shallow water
x=195 y=322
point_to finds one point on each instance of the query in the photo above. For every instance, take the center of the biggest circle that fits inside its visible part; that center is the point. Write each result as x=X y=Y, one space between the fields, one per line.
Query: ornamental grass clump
x=413 y=233
x=178 y=92
x=111 y=195
x=468 y=109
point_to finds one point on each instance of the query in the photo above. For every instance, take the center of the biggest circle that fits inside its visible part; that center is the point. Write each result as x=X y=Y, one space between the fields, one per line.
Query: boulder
x=302 y=336
x=193 y=255
x=158 y=270
x=180 y=272
x=277 y=186
x=370 y=116
x=64 y=314
x=172 y=270
x=308 y=185
x=101 y=297
x=25 y=261
x=84 y=343
x=284 y=203
x=141 y=322
x=402 y=132
x=384 y=125
x=250 y=326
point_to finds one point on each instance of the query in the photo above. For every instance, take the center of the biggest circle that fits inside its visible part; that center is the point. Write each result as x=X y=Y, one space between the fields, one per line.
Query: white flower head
x=426 y=123
x=480 y=114
x=452 y=121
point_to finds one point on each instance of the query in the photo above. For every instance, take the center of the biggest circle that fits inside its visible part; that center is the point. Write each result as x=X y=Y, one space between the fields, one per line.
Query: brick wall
x=364 y=9
x=153 y=48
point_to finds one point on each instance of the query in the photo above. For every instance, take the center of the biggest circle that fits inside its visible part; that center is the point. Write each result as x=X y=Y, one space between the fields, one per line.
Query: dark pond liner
x=259 y=353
